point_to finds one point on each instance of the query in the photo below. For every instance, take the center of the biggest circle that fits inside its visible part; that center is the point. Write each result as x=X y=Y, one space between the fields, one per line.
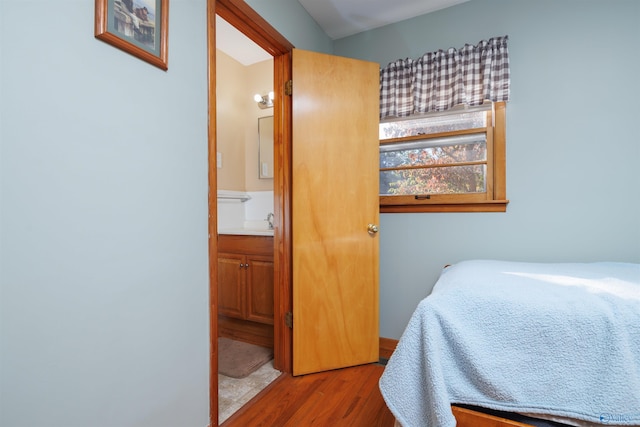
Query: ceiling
x=237 y=45
x=338 y=18
x=342 y=18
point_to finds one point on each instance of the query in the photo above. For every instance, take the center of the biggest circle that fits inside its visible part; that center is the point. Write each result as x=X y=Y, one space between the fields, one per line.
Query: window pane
x=433 y=124
x=440 y=180
x=407 y=155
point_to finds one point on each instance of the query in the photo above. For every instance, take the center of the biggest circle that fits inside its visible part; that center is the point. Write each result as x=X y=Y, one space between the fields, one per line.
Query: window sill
x=485 y=206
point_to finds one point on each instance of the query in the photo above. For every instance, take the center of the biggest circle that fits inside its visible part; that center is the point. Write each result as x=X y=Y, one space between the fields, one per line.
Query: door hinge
x=288 y=319
x=288 y=87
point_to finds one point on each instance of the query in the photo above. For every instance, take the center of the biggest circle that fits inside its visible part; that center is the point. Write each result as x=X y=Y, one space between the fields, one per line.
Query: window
x=449 y=162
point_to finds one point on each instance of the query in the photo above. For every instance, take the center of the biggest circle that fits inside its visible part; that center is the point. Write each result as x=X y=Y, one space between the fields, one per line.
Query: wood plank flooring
x=344 y=397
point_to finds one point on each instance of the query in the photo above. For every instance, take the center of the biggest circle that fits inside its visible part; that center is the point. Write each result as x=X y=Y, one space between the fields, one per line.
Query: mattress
x=550 y=341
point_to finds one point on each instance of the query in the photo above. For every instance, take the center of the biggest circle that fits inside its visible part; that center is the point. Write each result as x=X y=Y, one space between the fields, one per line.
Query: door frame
x=251 y=24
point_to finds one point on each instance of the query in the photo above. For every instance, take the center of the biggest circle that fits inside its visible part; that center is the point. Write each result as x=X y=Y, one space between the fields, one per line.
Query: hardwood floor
x=344 y=397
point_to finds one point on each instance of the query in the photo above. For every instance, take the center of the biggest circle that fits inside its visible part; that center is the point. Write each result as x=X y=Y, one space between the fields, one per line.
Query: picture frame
x=138 y=27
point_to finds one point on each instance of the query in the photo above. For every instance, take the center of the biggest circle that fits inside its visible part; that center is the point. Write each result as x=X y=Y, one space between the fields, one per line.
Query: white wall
x=103 y=257
x=251 y=213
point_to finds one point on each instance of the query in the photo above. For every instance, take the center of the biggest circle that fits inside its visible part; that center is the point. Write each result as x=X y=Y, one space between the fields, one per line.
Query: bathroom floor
x=234 y=393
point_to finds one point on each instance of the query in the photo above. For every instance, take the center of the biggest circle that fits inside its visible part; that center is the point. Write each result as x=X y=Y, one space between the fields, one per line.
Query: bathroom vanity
x=245 y=286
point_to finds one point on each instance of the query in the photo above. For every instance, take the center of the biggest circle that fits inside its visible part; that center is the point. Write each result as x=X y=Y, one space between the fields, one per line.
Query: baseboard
x=387 y=347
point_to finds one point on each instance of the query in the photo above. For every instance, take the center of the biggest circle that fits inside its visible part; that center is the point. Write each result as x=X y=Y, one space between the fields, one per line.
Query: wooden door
x=335 y=198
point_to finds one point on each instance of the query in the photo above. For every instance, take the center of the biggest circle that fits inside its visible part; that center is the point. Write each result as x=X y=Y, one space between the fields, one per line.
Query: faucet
x=270 y=220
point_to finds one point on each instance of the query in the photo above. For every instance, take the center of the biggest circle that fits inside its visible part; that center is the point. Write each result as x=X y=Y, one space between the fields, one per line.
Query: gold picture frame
x=138 y=27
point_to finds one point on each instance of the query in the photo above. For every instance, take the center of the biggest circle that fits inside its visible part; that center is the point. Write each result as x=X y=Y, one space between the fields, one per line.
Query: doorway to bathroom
x=249 y=206
x=245 y=228
x=330 y=119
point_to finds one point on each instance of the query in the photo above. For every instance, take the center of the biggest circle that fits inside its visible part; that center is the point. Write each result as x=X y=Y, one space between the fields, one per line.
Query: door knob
x=372 y=229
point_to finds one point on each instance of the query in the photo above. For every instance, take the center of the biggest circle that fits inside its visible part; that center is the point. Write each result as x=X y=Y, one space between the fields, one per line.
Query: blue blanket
x=541 y=339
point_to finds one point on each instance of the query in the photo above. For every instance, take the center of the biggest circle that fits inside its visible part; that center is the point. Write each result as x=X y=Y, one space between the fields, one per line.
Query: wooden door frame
x=250 y=23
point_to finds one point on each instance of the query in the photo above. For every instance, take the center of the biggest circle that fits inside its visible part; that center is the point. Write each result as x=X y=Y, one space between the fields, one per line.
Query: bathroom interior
x=244 y=73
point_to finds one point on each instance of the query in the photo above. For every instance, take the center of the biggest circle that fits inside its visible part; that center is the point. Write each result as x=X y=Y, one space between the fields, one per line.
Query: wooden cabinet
x=245 y=277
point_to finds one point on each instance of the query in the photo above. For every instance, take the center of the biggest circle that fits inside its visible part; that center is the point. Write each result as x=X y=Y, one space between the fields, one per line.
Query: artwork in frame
x=138 y=27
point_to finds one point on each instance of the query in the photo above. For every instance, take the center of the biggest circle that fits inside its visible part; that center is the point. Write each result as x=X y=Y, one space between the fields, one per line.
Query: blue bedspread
x=558 y=339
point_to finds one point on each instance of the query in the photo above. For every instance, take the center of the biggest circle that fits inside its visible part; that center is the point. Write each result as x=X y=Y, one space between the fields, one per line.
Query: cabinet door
x=260 y=289
x=335 y=196
x=231 y=274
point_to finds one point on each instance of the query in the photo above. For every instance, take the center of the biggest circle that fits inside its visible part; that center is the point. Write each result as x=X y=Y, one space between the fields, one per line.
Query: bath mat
x=237 y=359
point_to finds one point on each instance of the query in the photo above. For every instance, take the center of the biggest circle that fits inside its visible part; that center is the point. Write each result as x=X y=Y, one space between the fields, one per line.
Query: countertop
x=247 y=231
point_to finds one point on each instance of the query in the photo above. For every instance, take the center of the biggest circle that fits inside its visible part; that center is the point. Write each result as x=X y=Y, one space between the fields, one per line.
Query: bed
x=546 y=341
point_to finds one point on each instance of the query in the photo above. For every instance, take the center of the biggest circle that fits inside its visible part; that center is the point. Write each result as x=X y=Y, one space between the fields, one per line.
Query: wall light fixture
x=264 y=101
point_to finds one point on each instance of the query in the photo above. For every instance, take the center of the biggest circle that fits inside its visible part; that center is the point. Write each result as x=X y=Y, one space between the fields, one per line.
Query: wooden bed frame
x=469 y=418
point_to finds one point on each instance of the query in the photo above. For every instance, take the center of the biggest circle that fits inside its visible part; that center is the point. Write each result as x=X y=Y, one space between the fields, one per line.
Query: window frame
x=493 y=200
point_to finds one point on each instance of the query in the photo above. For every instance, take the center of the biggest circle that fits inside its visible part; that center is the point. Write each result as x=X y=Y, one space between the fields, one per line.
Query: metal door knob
x=372 y=229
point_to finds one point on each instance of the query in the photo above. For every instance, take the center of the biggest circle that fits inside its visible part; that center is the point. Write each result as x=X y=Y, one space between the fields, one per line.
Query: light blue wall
x=103 y=260
x=572 y=143
x=103 y=219
x=572 y=150
x=294 y=23
x=103 y=180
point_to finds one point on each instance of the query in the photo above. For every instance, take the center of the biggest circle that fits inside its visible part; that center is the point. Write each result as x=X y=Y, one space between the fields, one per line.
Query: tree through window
x=451 y=161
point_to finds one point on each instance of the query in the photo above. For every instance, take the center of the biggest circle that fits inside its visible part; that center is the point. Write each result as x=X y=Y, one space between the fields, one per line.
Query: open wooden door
x=335 y=212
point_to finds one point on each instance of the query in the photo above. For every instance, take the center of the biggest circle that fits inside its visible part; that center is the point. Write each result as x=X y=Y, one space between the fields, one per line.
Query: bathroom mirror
x=265 y=147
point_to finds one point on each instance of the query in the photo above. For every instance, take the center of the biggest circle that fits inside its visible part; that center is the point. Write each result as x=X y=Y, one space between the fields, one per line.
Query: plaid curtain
x=443 y=79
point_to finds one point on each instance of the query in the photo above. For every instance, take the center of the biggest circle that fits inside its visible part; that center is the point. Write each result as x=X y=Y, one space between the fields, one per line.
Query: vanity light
x=264 y=101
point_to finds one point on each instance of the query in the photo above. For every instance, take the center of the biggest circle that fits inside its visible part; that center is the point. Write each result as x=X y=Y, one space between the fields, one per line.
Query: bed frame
x=469 y=418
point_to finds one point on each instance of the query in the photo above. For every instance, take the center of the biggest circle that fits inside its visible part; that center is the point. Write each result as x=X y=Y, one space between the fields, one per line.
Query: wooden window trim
x=494 y=200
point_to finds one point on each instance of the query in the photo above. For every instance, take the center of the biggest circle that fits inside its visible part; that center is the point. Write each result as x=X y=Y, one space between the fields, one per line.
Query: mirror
x=265 y=147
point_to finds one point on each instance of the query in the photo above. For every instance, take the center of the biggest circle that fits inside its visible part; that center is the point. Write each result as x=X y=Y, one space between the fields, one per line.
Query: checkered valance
x=440 y=80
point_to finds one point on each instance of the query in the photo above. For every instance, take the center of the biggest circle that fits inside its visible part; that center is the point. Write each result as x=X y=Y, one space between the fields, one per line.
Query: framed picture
x=138 y=27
